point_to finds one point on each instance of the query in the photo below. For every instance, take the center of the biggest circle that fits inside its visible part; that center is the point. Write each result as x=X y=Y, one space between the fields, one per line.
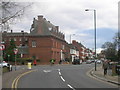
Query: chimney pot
x=11 y=31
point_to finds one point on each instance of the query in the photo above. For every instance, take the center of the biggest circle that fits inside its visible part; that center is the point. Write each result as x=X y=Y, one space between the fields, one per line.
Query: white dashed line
x=70 y=86
x=62 y=78
x=60 y=73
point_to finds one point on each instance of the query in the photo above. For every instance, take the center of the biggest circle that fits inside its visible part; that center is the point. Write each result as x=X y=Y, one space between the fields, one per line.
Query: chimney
x=44 y=18
x=22 y=31
x=73 y=41
x=57 y=28
x=11 y=31
x=40 y=17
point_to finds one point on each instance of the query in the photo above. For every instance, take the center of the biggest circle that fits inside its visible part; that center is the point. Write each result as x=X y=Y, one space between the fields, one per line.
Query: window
x=20 y=39
x=9 y=39
x=63 y=46
x=26 y=39
x=34 y=43
x=50 y=28
x=14 y=39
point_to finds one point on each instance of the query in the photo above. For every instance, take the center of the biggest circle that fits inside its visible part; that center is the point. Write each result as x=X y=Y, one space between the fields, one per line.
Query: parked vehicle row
x=77 y=61
x=5 y=64
x=93 y=61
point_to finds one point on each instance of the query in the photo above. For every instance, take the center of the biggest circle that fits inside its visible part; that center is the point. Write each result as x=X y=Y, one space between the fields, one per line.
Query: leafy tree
x=10 y=51
x=110 y=51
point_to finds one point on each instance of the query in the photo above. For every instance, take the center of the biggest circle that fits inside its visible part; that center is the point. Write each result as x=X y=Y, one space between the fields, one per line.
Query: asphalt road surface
x=62 y=76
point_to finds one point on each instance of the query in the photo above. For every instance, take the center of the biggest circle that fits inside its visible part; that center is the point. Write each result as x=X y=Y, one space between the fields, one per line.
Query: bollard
x=29 y=65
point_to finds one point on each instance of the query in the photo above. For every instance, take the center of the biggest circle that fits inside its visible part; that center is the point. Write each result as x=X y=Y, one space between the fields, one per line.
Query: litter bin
x=29 y=65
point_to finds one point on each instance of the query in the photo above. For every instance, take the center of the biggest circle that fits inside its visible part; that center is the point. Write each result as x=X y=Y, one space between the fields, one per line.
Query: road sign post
x=2 y=47
x=15 y=52
x=8 y=57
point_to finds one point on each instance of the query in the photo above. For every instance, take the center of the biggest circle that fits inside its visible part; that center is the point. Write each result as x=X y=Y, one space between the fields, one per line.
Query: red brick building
x=83 y=51
x=44 y=41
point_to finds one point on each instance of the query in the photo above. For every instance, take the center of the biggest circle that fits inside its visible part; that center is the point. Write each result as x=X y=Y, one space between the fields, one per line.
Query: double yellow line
x=15 y=82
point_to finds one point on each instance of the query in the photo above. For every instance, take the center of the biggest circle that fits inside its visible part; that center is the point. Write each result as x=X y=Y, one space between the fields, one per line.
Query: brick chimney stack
x=57 y=28
x=40 y=17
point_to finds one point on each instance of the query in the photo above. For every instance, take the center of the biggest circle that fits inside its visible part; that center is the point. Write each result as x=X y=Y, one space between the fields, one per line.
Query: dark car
x=76 y=61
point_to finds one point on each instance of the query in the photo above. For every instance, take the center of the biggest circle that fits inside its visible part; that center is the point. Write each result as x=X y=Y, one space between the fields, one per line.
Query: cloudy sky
x=71 y=17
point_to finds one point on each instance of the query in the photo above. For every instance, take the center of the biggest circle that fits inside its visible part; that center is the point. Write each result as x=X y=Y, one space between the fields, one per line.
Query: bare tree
x=11 y=11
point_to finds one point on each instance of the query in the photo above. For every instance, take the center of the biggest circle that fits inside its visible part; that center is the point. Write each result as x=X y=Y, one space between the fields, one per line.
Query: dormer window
x=50 y=28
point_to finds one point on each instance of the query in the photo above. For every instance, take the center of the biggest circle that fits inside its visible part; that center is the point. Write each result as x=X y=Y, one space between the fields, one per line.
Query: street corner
x=98 y=74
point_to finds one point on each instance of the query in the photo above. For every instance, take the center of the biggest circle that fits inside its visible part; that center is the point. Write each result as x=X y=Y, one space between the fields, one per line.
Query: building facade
x=84 y=53
x=44 y=41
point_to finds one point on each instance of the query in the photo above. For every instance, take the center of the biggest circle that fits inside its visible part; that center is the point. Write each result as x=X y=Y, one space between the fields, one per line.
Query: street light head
x=86 y=9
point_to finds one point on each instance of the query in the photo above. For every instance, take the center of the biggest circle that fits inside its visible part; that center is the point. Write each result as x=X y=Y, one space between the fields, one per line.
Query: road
x=61 y=76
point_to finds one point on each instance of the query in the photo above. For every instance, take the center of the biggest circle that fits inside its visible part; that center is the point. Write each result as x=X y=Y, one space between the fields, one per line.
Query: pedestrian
x=34 y=62
x=52 y=61
x=60 y=61
x=105 y=67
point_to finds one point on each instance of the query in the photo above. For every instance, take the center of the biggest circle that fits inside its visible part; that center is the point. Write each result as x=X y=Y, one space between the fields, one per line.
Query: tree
x=110 y=51
x=117 y=43
x=10 y=51
x=10 y=11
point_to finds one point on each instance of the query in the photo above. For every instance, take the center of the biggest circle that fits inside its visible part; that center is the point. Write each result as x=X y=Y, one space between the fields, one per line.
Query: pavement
x=108 y=78
x=8 y=77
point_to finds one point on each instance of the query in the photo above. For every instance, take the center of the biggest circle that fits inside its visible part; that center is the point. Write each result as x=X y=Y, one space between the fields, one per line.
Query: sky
x=72 y=19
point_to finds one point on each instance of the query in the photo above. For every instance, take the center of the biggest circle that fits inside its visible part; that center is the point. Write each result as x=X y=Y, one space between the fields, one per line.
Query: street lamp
x=94 y=29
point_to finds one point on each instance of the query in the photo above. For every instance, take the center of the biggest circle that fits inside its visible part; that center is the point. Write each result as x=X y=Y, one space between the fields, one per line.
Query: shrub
x=24 y=60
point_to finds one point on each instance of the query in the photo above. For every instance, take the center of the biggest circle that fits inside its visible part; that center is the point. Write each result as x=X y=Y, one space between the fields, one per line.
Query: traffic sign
x=2 y=47
x=15 y=50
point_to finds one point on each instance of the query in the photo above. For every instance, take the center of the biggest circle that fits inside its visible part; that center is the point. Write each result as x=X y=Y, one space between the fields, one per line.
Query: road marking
x=15 y=82
x=62 y=78
x=60 y=73
x=70 y=86
x=46 y=71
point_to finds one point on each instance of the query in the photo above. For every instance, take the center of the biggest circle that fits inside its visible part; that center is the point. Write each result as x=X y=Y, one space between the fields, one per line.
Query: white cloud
x=98 y=50
x=71 y=17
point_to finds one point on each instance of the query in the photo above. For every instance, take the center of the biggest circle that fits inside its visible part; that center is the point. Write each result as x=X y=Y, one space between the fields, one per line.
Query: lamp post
x=94 y=30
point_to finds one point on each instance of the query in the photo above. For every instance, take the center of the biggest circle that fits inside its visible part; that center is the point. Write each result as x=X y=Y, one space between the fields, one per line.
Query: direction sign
x=2 y=47
x=15 y=50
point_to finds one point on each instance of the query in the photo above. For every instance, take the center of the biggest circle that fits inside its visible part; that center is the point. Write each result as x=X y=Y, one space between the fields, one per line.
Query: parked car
x=77 y=61
x=98 y=61
x=92 y=61
x=5 y=64
x=88 y=62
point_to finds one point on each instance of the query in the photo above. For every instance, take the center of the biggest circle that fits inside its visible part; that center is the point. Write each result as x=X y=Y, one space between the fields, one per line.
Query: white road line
x=46 y=71
x=59 y=73
x=62 y=78
x=70 y=86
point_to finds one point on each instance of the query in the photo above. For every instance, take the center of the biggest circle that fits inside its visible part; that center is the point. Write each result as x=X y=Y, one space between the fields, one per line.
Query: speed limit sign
x=2 y=47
